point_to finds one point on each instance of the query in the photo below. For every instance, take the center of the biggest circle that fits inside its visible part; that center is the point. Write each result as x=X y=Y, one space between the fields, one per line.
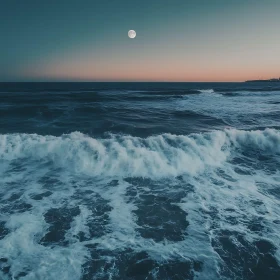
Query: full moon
x=131 y=34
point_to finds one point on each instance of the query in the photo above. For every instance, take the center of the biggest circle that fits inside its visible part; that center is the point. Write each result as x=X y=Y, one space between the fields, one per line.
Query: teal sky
x=178 y=40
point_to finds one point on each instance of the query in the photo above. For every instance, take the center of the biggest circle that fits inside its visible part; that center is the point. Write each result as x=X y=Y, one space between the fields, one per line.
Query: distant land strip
x=258 y=81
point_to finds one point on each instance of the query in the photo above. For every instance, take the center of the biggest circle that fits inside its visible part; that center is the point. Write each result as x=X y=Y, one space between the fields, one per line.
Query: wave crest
x=207 y=91
x=126 y=156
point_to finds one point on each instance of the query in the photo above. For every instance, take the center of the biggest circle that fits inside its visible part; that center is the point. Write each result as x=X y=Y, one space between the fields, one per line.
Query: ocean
x=140 y=181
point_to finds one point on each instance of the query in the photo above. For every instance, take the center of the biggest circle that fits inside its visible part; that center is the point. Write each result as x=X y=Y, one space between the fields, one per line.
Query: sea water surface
x=140 y=181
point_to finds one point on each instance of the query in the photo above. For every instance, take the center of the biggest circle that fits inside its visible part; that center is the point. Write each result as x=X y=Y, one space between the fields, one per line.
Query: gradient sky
x=177 y=40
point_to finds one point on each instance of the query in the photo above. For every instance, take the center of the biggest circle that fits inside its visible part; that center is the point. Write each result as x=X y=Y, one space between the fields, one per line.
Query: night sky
x=178 y=40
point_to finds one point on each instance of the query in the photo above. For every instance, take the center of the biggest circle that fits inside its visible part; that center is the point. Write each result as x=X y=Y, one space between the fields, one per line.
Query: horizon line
x=6 y=82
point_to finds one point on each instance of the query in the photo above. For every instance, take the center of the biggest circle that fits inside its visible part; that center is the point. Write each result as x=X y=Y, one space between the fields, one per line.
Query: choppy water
x=140 y=181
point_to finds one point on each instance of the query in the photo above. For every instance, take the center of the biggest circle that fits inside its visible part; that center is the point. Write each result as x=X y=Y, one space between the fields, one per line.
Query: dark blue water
x=140 y=181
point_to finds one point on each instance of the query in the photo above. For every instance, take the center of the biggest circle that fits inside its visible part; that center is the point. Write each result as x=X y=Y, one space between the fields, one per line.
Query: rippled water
x=140 y=181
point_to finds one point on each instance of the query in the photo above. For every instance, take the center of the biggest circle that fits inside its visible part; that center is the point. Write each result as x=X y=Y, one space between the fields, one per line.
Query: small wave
x=211 y=92
x=206 y=91
x=253 y=93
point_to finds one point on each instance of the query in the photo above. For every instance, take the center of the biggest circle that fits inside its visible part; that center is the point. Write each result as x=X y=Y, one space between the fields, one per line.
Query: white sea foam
x=26 y=255
x=78 y=170
x=243 y=112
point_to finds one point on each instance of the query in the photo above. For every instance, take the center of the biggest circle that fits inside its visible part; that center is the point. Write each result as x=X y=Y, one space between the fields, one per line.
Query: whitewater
x=140 y=181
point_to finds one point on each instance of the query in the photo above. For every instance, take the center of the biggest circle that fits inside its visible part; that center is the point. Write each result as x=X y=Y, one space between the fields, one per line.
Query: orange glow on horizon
x=150 y=73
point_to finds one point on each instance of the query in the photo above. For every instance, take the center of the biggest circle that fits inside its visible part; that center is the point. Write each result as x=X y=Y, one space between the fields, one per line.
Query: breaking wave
x=152 y=157
x=77 y=207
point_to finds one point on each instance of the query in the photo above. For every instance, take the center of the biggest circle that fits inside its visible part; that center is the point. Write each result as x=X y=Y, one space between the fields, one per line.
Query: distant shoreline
x=262 y=81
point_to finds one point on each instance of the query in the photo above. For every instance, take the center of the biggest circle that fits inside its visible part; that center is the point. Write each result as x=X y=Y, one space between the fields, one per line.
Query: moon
x=131 y=34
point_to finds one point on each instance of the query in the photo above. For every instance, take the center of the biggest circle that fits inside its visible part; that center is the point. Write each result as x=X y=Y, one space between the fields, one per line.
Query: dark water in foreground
x=140 y=181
